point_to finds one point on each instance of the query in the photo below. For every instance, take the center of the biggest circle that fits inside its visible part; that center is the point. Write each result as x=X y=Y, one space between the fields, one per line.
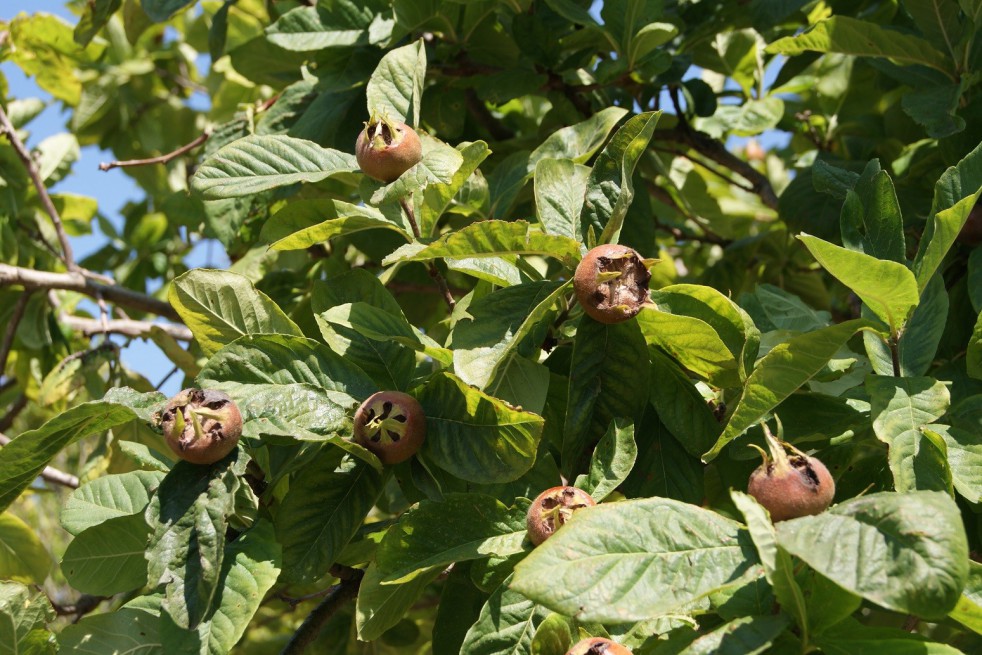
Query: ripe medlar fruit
x=790 y=487
x=201 y=426
x=611 y=283
x=385 y=150
x=597 y=646
x=391 y=424
x=552 y=508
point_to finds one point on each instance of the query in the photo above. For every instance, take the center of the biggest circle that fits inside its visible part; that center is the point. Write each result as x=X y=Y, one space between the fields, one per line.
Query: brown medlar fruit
x=597 y=646
x=201 y=426
x=385 y=150
x=790 y=486
x=392 y=425
x=611 y=283
x=552 y=509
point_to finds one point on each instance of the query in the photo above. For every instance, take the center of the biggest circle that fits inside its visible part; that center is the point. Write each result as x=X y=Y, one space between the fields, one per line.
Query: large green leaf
x=900 y=409
x=326 y=504
x=940 y=234
x=580 y=141
x=302 y=224
x=108 y=497
x=968 y=611
x=492 y=239
x=220 y=307
x=161 y=10
x=396 y=87
x=474 y=436
x=381 y=606
x=23 y=459
x=853 y=638
x=906 y=552
x=851 y=36
x=439 y=196
x=126 y=630
x=257 y=163
x=23 y=557
x=380 y=325
x=23 y=617
x=888 y=288
x=964 y=450
x=505 y=626
x=871 y=220
x=634 y=560
x=108 y=558
x=462 y=527
x=339 y=25
x=612 y=461
x=747 y=635
x=780 y=372
x=610 y=190
x=693 y=343
x=680 y=406
x=560 y=190
x=919 y=340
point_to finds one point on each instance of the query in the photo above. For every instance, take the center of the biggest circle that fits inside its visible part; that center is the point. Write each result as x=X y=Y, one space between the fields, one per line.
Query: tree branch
x=75 y=281
x=11 y=331
x=8 y=128
x=126 y=327
x=162 y=159
x=340 y=594
x=430 y=266
x=49 y=474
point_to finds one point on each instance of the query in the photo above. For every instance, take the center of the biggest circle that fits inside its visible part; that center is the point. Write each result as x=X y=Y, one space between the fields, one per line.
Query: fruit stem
x=434 y=272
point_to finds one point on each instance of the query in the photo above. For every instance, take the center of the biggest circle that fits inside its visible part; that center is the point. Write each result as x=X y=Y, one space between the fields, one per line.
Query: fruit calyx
x=391 y=424
x=611 y=283
x=597 y=646
x=790 y=486
x=201 y=425
x=552 y=509
x=386 y=149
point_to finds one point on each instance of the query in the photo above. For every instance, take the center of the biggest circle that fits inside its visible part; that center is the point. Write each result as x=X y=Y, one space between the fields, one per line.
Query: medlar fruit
x=385 y=150
x=391 y=424
x=597 y=646
x=552 y=509
x=790 y=487
x=201 y=426
x=611 y=283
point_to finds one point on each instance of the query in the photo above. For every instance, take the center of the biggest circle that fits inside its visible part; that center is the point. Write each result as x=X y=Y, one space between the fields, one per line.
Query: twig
x=708 y=235
x=162 y=159
x=8 y=419
x=340 y=594
x=49 y=474
x=715 y=171
x=430 y=266
x=32 y=170
x=75 y=281
x=86 y=603
x=125 y=327
x=11 y=331
x=163 y=381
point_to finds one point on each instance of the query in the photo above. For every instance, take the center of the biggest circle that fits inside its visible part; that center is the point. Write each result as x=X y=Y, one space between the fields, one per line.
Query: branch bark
x=11 y=331
x=74 y=281
x=340 y=594
x=430 y=266
x=125 y=327
x=49 y=474
x=8 y=128
x=162 y=159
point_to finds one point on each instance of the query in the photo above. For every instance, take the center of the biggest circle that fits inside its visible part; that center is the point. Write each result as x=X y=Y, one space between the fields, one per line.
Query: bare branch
x=8 y=128
x=12 y=412
x=125 y=327
x=50 y=474
x=340 y=594
x=430 y=266
x=162 y=159
x=75 y=281
x=11 y=331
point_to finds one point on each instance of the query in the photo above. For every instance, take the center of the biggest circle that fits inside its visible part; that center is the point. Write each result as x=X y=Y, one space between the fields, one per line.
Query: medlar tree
x=631 y=235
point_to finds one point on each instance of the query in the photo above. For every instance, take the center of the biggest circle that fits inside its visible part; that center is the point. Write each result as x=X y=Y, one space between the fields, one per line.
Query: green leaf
x=871 y=220
x=23 y=558
x=259 y=163
x=301 y=224
x=325 y=506
x=126 y=630
x=610 y=190
x=747 y=635
x=282 y=359
x=380 y=607
x=319 y=28
x=940 y=234
x=935 y=108
x=780 y=372
x=968 y=611
x=680 y=406
x=380 y=325
x=23 y=459
x=108 y=558
x=955 y=184
x=608 y=379
x=492 y=238
x=474 y=436
x=851 y=36
x=919 y=340
x=900 y=408
x=396 y=87
x=580 y=141
x=161 y=10
x=497 y=325
x=853 y=638
x=888 y=288
x=93 y=18
x=560 y=190
x=23 y=616
x=462 y=527
x=611 y=462
x=439 y=165
x=693 y=343
x=634 y=559
x=964 y=449
x=220 y=307
x=905 y=552
x=505 y=626
x=973 y=354
x=439 y=196
x=108 y=497
x=188 y=516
